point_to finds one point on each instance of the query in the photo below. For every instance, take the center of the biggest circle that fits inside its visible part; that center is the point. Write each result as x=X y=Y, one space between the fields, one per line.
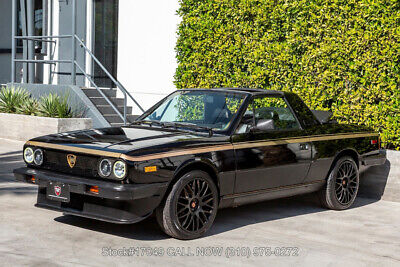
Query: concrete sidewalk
x=368 y=234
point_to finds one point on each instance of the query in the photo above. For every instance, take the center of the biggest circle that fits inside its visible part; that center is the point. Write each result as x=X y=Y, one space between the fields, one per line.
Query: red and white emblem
x=57 y=190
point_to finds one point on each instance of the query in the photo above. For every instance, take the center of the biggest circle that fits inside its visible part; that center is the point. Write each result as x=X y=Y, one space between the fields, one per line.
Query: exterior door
x=105 y=40
x=270 y=156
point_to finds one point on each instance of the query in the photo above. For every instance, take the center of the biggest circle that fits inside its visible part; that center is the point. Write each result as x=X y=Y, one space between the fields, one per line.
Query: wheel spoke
x=197 y=222
x=185 y=215
x=340 y=195
x=346 y=196
x=193 y=188
x=182 y=210
x=203 y=185
x=204 y=219
x=186 y=221
x=208 y=205
x=207 y=201
x=189 y=191
x=203 y=191
x=339 y=188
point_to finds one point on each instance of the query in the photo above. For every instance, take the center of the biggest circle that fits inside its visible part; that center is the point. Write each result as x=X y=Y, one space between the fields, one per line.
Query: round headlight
x=38 y=157
x=28 y=155
x=120 y=169
x=105 y=167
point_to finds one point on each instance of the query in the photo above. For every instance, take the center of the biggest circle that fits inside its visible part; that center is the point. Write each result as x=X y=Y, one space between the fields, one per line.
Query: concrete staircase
x=106 y=109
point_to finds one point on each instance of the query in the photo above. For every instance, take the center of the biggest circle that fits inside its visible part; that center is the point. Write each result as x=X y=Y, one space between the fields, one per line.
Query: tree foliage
x=338 y=55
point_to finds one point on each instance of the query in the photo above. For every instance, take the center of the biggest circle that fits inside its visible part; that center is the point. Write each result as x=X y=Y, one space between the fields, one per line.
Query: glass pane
x=206 y=108
x=105 y=40
x=268 y=108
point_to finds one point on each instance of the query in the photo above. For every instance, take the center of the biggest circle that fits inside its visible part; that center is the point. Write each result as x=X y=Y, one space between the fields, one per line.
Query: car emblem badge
x=57 y=190
x=71 y=160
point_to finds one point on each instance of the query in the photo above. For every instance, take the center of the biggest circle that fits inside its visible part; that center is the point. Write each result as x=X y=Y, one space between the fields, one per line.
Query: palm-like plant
x=11 y=99
x=55 y=106
x=16 y=100
x=63 y=108
x=29 y=107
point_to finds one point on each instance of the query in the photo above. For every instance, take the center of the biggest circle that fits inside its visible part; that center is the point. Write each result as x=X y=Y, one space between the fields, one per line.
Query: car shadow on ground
x=233 y=218
x=8 y=162
x=373 y=181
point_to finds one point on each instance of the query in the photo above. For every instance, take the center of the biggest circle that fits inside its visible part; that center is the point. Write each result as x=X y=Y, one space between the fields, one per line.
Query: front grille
x=57 y=161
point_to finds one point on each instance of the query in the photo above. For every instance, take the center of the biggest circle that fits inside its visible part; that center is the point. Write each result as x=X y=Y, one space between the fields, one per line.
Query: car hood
x=129 y=140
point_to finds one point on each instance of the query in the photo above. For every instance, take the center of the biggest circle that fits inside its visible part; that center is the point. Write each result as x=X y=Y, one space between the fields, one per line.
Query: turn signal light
x=33 y=179
x=94 y=189
x=150 y=169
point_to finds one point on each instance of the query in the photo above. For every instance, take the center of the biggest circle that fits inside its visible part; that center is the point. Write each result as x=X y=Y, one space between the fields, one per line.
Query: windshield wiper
x=189 y=125
x=151 y=123
x=174 y=125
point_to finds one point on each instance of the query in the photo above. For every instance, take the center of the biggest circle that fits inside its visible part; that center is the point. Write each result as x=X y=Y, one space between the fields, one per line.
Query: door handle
x=304 y=146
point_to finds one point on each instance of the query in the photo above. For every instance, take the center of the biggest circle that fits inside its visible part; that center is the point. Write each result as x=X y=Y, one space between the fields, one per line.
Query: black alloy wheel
x=346 y=185
x=342 y=185
x=195 y=205
x=191 y=206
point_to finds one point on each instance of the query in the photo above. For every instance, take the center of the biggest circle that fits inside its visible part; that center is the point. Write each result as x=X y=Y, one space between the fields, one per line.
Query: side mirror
x=264 y=125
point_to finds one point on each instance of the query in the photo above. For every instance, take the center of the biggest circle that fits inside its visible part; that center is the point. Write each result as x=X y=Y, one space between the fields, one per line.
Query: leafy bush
x=11 y=99
x=342 y=56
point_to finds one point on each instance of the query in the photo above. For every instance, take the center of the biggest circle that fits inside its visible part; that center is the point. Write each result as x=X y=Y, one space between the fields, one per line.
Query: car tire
x=190 y=207
x=342 y=185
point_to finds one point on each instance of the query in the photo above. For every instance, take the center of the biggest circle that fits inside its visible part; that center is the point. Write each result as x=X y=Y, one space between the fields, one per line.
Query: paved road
x=366 y=235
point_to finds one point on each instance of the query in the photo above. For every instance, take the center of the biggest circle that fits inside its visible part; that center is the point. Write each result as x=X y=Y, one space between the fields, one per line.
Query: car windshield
x=203 y=109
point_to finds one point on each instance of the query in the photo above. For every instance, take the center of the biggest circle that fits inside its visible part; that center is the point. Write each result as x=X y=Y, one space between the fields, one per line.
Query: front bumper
x=117 y=203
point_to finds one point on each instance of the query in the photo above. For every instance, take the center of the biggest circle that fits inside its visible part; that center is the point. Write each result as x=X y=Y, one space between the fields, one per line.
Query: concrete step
x=107 y=109
x=113 y=118
x=101 y=101
x=89 y=92
x=118 y=124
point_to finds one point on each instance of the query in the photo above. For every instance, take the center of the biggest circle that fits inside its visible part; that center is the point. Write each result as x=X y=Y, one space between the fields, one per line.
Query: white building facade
x=134 y=40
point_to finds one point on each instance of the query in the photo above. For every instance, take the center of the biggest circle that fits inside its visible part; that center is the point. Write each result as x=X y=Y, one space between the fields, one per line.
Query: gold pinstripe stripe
x=88 y=151
x=205 y=149
x=179 y=152
x=303 y=139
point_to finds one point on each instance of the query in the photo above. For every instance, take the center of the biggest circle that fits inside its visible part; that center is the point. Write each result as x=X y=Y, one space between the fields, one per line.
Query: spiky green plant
x=11 y=99
x=63 y=108
x=29 y=107
x=55 y=106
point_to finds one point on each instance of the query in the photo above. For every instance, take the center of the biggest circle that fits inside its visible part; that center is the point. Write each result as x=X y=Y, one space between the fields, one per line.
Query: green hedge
x=342 y=56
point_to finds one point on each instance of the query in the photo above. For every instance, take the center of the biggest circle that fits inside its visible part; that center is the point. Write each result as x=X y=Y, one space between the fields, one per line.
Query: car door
x=274 y=154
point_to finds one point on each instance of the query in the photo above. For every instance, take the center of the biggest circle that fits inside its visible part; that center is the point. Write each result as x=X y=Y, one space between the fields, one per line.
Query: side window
x=271 y=112
x=301 y=109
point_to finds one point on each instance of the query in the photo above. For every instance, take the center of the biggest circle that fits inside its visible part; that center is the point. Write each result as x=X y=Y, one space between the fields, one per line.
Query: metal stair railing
x=115 y=81
x=73 y=62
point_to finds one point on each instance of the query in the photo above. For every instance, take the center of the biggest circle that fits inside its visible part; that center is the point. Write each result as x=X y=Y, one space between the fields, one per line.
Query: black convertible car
x=197 y=151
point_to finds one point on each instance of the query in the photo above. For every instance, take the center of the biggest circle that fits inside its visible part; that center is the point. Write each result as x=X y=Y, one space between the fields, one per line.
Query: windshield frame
x=232 y=125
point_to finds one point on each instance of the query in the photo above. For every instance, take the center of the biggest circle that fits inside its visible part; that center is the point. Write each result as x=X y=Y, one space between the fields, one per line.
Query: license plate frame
x=58 y=191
